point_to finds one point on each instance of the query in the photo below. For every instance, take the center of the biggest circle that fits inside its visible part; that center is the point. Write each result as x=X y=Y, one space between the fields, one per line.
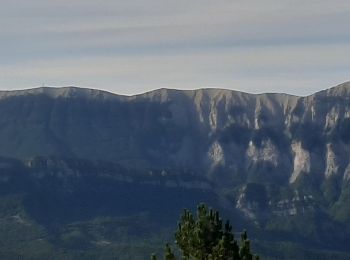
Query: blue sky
x=133 y=46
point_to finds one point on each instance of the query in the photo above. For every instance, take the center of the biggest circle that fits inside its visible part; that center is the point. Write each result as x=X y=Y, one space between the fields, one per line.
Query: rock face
x=281 y=162
x=204 y=130
x=221 y=135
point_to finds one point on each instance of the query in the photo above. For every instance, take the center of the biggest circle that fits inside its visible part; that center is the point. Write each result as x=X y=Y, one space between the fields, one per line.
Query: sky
x=129 y=47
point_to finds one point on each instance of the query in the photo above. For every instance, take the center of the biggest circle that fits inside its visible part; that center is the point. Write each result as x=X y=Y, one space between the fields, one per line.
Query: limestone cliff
x=205 y=130
x=280 y=161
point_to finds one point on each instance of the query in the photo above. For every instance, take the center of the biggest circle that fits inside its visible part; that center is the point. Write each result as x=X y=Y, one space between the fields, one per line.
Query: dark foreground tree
x=204 y=238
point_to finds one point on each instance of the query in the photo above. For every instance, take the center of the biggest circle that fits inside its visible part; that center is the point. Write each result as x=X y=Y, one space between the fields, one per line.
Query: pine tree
x=204 y=238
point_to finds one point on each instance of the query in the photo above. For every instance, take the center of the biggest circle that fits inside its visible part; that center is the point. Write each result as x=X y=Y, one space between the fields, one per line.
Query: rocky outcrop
x=301 y=161
x=205 y=130
x=278 y=161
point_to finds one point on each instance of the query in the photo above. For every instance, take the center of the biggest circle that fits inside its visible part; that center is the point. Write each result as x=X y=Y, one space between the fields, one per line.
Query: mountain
x=278 y=164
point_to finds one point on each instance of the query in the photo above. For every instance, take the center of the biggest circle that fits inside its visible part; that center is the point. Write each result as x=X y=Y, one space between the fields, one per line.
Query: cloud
x=258 y=69
x=256 y=46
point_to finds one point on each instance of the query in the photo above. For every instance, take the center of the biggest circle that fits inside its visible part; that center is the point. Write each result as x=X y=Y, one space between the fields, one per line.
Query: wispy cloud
x=132 y=46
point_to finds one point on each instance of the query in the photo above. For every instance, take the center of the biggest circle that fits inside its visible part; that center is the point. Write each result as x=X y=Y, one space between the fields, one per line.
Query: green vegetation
x=53 y=208
x=126 y=237
x=205 y=238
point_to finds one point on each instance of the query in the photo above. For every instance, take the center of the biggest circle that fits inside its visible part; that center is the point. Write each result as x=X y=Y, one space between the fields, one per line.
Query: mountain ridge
x=211 y=115
x=71 y=90
x=278 y=163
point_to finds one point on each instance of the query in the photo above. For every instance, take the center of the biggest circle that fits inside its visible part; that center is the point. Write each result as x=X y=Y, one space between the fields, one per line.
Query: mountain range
x=277 y=164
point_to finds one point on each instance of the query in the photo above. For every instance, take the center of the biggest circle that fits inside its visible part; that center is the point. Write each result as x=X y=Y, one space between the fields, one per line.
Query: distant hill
x=278 y=164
